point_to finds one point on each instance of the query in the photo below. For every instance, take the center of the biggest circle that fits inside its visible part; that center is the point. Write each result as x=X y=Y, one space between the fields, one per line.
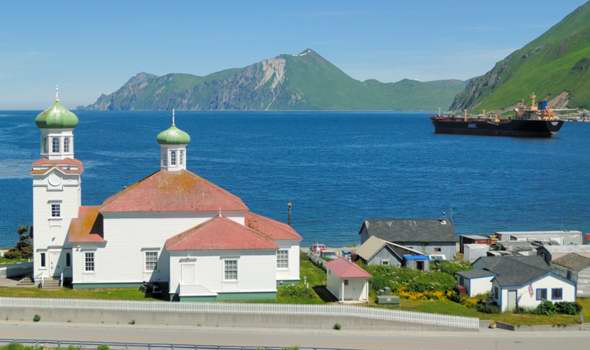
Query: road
x=406 y=340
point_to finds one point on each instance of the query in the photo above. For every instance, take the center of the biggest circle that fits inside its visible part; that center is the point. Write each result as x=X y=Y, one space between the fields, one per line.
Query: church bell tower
x=56 y=192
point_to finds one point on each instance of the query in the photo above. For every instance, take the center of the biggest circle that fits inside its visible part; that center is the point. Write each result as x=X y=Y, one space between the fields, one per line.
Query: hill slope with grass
x=305 y=81
x=556 y=64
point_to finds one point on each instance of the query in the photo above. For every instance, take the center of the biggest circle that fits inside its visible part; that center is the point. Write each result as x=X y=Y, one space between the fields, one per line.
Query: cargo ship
x=535 y=120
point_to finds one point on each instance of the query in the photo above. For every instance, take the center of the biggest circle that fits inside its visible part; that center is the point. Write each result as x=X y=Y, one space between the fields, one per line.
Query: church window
x=172 y=157
x=151 y=261
x=231 y=270
x=42 y=258
x=56 y=210
x=283 y=258
x=45 y=144
x=55 y=144
x=68 y=259
x=181 y=157
x=67 y=144
x=89 y=261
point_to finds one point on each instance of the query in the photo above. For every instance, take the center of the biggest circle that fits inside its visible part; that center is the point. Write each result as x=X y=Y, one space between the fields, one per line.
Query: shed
x=472 y=239
x=347 y=281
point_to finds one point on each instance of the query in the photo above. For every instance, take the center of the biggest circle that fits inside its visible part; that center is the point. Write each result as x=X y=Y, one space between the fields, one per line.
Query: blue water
x=337 y=168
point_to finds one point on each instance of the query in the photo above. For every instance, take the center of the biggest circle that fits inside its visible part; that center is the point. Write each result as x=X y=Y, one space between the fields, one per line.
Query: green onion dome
x=173 y=136
x=56 y=117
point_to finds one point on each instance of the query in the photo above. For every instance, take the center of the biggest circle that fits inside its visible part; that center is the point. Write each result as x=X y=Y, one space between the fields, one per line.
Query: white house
x=172 y=227
x=517 y=281
x=347 y=281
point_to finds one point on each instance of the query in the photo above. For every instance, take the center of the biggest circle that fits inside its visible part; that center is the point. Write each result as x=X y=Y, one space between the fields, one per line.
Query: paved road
x=406 y=340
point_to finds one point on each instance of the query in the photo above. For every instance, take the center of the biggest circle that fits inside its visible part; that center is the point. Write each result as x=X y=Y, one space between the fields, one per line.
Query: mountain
x=305 y=81
x=556 y=64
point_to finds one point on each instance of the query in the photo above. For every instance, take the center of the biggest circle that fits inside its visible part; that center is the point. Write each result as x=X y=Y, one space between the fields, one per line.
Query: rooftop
x=573 y=261
x=219 y=233
x=411 y=230
x=87 y=227
x=345 y=269
x=173 y=191
x=273 y=229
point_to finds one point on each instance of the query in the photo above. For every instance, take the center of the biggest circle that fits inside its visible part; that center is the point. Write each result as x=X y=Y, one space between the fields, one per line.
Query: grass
x=67 y=293
x=5 y=261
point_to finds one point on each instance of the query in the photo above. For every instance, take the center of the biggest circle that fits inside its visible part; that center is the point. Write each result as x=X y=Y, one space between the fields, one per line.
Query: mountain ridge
x=303 y=81
x=556 y=65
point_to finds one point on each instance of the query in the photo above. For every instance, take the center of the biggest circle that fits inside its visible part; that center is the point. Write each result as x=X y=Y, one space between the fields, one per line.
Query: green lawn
x=5 y=261
x=64 y=293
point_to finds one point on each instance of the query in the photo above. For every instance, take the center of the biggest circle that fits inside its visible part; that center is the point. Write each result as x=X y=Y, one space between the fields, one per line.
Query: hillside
x=305 y=81
x=556 y=64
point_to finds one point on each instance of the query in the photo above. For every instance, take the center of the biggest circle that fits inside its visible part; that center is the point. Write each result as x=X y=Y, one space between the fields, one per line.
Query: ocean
x=336 y=168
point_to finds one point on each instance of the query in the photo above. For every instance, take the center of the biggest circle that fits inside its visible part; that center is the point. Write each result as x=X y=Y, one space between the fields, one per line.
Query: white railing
x=333 y=310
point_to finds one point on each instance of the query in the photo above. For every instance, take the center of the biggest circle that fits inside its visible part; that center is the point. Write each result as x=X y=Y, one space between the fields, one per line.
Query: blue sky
x=93 y=47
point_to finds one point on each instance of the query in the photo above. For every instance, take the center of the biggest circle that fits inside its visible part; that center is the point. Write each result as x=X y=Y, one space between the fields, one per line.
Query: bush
x=450 y=267
x=568 y=308
x=337 y=326
x=545 y=308
x=36 y=318
x=410 y=280
x=102 y=347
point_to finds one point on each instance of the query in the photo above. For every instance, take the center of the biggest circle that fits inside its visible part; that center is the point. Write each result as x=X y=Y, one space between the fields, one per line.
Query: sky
x=93 y=47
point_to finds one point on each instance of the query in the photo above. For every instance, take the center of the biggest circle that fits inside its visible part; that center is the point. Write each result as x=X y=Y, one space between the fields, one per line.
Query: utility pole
x=289 y=212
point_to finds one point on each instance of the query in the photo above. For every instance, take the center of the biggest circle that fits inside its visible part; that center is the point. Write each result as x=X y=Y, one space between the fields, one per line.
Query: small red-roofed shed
x=347 y=281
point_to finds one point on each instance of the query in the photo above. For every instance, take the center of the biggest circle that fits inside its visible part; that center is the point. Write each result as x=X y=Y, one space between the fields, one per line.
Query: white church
x=172 y=227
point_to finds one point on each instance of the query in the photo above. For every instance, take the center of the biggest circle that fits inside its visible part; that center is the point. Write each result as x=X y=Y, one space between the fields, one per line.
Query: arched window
x=172 y=157
x=66 y=144
x=55 y=145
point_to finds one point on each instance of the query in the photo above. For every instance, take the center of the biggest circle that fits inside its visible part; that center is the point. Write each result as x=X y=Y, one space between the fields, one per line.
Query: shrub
x=36 y=318
x=487 y=307
x=337 y=326
x=450 y=267
x=545 y=308
x=296 y=291
x=568 y=308
x=102 y=347
x=410 y=280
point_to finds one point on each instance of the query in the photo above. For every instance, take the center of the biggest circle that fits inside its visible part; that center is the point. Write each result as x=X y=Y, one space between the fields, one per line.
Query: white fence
x=333 y=310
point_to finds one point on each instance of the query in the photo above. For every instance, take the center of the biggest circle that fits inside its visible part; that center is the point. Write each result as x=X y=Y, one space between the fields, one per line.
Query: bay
x=336 y=167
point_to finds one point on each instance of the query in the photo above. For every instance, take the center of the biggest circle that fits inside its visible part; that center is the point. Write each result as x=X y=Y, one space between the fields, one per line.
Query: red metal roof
x=276 y=230
x=67 y=166
x=346 y=269
x=219 y=233
x=178 y=191
x=87 y=227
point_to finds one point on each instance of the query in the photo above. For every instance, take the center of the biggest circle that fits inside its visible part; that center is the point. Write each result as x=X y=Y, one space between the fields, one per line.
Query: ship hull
x=514 y=128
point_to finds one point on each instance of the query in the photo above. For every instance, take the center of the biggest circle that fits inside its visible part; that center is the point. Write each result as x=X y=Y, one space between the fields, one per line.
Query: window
x=45 y=144
x=181 y=156
x=231 y=270
x=151 y=261
x=556 y=293
x=89 y=261
x=68 y=260
x=541 y=294
x=172 y=157
x=346 y=282
x=283 y=258
x=66 y=144
x=42 y=256
x=495 y=292
x=55 y=144
x=385 y=262
x=56 y=210
x=438 y=249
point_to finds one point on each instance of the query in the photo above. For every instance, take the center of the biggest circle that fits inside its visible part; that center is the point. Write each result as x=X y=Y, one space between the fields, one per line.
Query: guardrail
x=43 y=343
x=237 y=308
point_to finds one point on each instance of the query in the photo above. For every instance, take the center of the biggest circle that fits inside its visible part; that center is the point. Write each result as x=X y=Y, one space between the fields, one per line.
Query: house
x=347 y=281
x=474 y=251
x=432 y=237
x=554 y=252
x=173 y=227
x=516 y=281
x=559 y=237
x=576 y=268
x=376 y=251
x=473 y=239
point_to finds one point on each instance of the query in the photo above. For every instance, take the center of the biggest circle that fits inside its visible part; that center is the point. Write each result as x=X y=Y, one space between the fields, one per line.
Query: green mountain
x=305 y=81
x=556 y=64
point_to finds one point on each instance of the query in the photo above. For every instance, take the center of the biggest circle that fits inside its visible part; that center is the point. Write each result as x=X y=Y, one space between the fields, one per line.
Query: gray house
x=376 y=251
x=430 y=236
x=576 y=268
